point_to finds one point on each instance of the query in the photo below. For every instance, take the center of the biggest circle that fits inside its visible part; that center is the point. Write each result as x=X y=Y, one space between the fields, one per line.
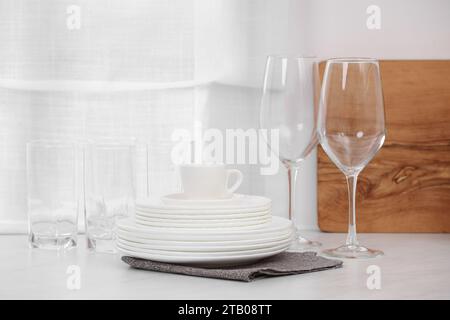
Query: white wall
x=410 y=29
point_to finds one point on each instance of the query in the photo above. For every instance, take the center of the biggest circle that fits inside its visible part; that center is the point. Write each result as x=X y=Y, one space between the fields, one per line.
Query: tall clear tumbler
x=52 y=172
x=109 y=190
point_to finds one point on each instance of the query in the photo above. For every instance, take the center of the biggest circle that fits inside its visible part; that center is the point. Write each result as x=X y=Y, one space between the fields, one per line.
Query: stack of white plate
x=238 y=212
x=215 y=232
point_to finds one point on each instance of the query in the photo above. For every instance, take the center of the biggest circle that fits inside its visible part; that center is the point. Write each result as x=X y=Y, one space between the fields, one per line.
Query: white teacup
x=208 y=181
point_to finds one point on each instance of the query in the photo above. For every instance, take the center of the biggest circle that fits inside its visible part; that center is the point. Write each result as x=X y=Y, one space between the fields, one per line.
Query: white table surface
x=416 y=266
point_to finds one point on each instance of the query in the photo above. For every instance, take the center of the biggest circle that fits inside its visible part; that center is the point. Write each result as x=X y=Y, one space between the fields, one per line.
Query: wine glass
x=351 y=130
x=288 y=109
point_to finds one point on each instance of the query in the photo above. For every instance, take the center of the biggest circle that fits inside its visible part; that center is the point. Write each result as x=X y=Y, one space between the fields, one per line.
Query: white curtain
x=143 y=68
x=137 y=68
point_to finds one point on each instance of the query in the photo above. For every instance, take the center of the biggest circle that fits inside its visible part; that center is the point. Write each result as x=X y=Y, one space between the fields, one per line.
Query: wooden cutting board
x=406 y=187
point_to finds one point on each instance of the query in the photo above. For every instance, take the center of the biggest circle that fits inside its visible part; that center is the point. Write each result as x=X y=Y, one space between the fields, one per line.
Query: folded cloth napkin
x=285 y=263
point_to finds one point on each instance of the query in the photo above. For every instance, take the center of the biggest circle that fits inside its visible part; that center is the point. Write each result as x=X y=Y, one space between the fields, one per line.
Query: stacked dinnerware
x=223 y=229
x=240 y=211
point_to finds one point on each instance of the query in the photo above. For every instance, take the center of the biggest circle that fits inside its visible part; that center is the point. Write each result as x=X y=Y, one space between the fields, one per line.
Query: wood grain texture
x=406 y=187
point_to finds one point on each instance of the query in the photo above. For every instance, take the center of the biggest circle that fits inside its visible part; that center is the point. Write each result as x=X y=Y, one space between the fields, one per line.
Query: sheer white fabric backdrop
x=138 y=68
x=144 y=67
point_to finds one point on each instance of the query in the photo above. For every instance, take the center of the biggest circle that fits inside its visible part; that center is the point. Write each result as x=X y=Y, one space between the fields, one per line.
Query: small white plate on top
x=238 y=201
x=203 y=216
x=208 y=261
x=171 y=210
x=180 y=200
x=276 y=227
x=251 y=224
x=220 y=219
x=130 y=237
x=198 y=248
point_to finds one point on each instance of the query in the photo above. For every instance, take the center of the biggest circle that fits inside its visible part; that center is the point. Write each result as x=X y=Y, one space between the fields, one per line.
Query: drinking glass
x=351 y=129
x=288 y=107
x=109 y=190
x=52 y=194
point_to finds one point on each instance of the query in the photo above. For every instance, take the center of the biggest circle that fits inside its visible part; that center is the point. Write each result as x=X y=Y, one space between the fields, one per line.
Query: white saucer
x=237 y=202
x=203 y=216
x=208 y=220
x=244 y=224
x=180 y=199
x=203 y=211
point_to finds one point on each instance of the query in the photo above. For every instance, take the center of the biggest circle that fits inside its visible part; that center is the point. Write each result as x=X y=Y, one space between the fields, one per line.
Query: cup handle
x=239 y=178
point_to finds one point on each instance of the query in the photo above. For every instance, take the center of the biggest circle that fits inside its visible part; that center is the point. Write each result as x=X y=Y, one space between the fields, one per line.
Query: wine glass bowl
x=288 y=105
x=351 y=130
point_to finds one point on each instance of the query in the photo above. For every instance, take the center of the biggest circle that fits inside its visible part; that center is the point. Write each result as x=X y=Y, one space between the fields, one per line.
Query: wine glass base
x=353 y=252
x=300 y=244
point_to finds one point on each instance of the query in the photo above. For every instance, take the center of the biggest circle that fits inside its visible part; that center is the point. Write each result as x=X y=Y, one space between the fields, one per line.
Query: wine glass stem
x=292 y=176
x=351 y=236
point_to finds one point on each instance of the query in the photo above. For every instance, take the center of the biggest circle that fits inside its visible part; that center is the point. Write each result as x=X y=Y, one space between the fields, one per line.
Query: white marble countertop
x=416 y=266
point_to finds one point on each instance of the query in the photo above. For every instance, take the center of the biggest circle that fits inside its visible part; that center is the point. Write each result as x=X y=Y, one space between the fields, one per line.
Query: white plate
x=236 y=202
x=234 y=240
x=276 y=225
x=124 y=235
x=122 y=245
x=201 y=223
x=203 y=216
x=266 y=216
x=201 y=226
x=204 y=261
x=203 y=211
x=179 y=199
x=197 y=248
x=247 y=225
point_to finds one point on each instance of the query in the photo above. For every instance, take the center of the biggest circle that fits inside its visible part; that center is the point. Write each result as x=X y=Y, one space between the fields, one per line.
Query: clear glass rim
x=353 y=60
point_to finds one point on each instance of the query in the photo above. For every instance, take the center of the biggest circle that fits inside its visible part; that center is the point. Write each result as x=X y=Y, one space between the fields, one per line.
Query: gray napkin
x=285 y=263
